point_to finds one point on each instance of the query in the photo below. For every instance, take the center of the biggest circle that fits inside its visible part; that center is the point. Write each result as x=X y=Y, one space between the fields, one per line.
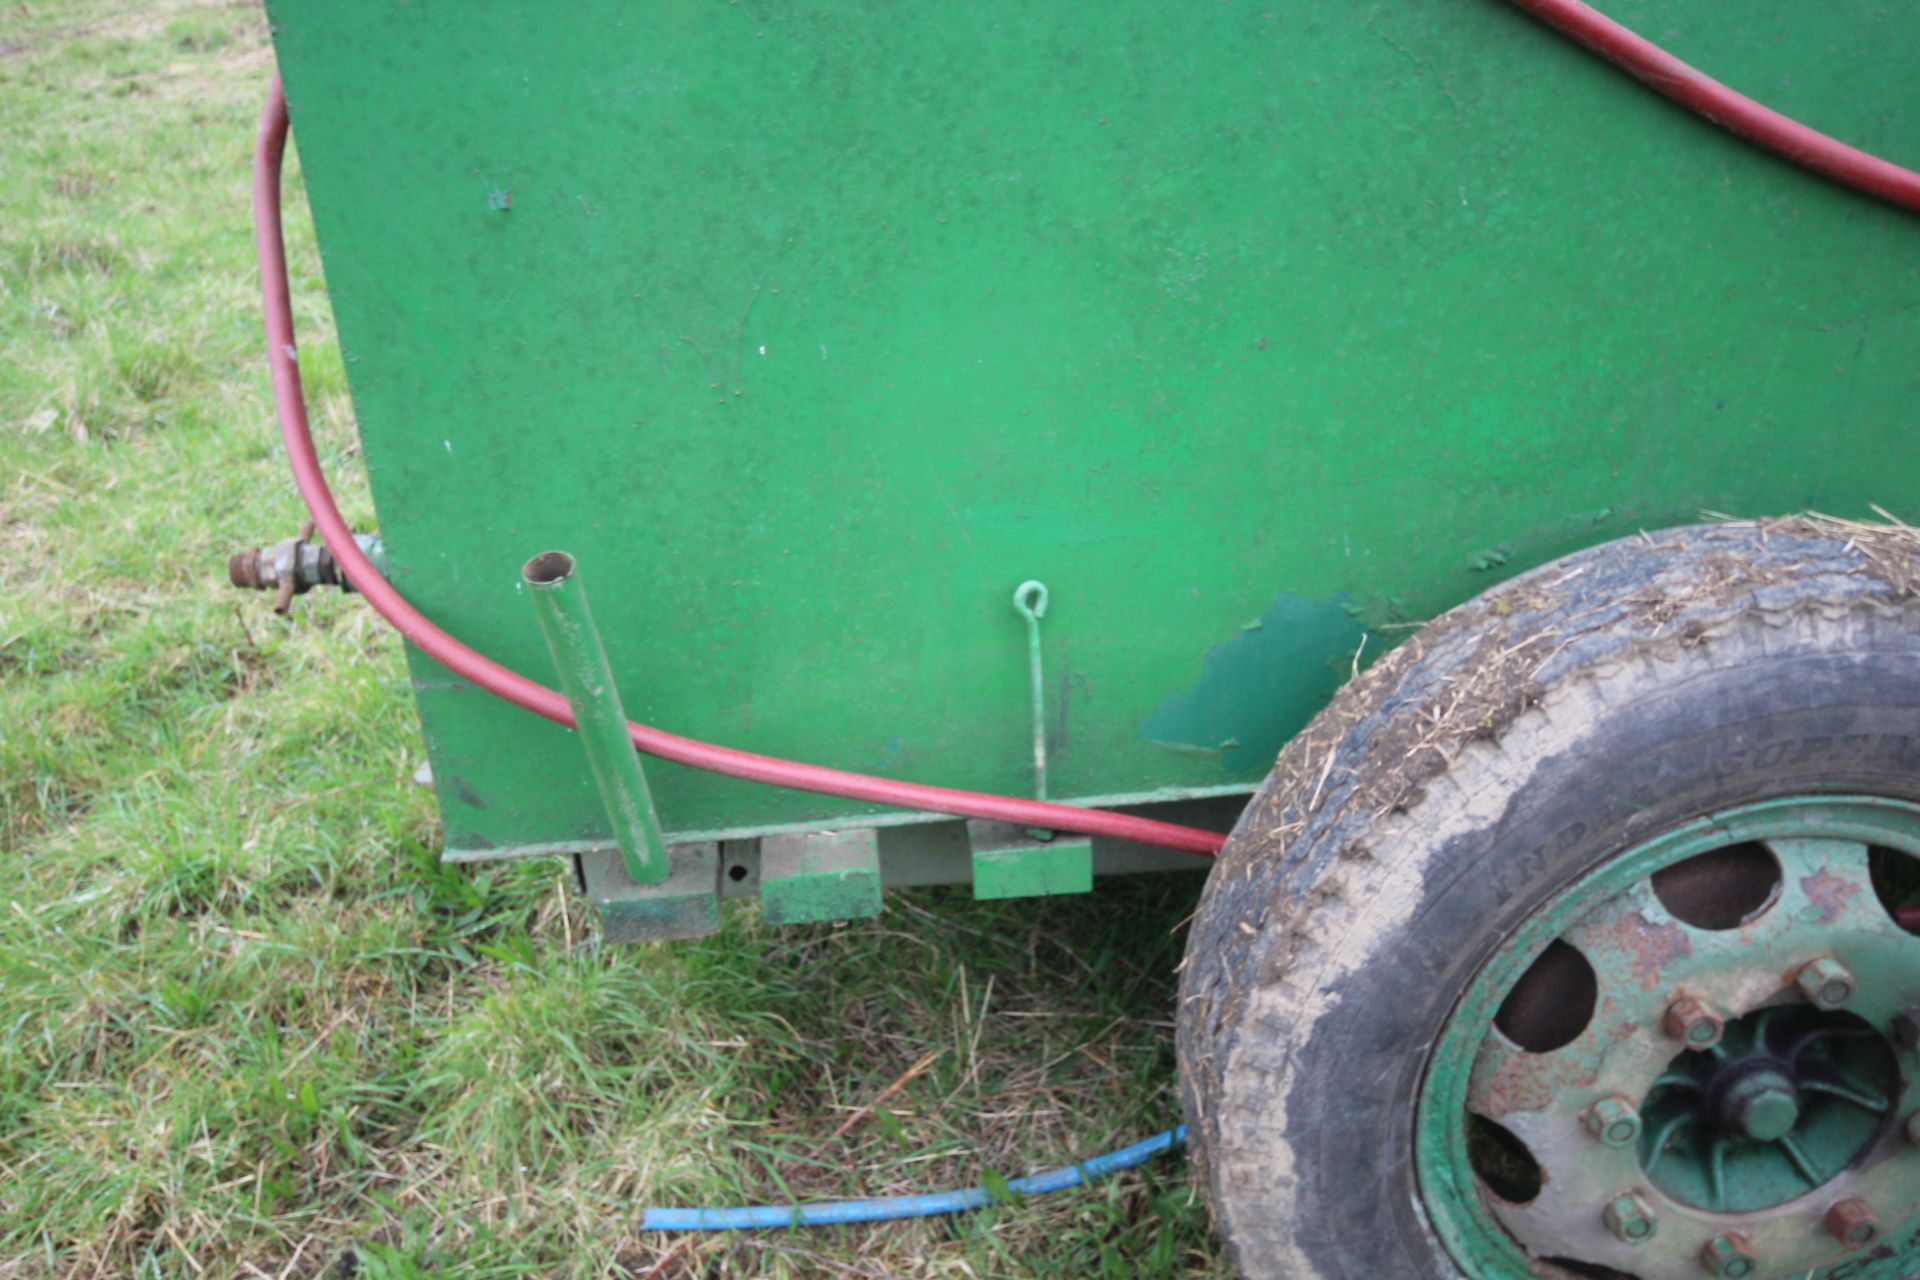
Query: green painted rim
x=1459 y=1207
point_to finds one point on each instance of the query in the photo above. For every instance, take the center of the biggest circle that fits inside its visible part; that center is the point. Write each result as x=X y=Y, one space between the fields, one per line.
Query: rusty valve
x=294 y=566
x=1825 y=982
x=1852 y=1223
x=1728 y=1256
x=1694 y=1023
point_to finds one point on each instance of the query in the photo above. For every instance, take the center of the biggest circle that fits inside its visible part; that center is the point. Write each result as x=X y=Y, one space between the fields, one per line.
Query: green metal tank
x=1257 y=332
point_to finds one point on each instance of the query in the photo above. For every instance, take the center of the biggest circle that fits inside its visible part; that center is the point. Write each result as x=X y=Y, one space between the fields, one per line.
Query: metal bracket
x=828 y=875
x=1008 y=862
x=684 y=905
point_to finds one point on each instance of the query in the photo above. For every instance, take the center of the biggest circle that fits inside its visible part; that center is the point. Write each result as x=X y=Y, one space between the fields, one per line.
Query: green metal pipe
x=560 y=602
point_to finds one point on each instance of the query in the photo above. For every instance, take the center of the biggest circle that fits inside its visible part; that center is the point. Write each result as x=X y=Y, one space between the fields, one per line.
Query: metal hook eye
x=1030 y=598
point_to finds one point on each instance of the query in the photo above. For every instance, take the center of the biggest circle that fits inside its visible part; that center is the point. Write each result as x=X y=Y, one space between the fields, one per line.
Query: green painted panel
x=812 y=329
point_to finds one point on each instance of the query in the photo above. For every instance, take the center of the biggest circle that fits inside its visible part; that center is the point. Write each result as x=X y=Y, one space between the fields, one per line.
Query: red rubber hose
x=290 y=404
x=1666 y=74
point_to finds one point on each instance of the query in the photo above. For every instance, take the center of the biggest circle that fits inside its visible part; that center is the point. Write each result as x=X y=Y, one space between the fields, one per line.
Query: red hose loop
x=1666 y=74
x=290 y=405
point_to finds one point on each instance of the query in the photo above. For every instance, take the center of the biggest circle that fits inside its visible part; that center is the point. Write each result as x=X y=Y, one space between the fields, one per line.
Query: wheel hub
x=1789 y=1100
x=1762 y=1105
x=1692 y=1062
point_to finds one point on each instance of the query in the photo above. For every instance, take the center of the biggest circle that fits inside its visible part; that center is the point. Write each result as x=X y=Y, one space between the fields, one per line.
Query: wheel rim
x=1698 y=1059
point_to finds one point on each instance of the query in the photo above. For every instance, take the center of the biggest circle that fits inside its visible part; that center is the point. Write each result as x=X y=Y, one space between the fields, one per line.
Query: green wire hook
x=1030 y=601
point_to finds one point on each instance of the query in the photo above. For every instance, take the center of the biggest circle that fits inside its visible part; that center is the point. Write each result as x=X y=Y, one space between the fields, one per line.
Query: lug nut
x=1852 y=1223
x=1728 y=1257
x=1614 y=1121
x=1693 y=1022
x=1826 y=982
x=1630 y=1218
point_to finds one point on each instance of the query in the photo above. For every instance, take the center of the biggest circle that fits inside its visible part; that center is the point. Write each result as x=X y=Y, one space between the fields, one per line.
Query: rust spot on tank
x=1830 y=894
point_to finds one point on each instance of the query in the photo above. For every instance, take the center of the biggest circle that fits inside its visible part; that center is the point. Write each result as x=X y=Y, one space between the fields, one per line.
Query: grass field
x=249 y=1025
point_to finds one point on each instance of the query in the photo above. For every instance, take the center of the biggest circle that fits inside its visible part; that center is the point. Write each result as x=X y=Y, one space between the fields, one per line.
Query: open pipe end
x=547 y=569
x=243 y=569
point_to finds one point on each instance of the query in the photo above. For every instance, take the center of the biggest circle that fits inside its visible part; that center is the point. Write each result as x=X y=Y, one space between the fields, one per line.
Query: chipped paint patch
x=1830 y=894
x=1647 y=947
x=1258 y=688
x=1506 y=1079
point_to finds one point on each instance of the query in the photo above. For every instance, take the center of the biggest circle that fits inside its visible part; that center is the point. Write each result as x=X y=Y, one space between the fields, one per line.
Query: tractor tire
x=1468 y=922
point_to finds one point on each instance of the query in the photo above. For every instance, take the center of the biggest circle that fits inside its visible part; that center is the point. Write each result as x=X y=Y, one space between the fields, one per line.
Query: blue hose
x=890 y=1208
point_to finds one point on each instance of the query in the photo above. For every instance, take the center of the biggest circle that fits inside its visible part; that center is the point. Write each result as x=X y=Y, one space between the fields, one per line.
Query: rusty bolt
x=1728 y=1257
x=1851 y=1222
x=1630 y=1218
x=1826 y=982
x=1693 y=1022
x=1614 y=1121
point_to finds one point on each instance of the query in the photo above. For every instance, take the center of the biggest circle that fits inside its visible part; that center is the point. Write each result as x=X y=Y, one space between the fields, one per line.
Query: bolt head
x=1694 y=1023
x=1614 y=1122
x=1852 y=1223
x=1761 y=1107
x=1631 y=1218
x=1825 y=982
x=1728 y=1257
